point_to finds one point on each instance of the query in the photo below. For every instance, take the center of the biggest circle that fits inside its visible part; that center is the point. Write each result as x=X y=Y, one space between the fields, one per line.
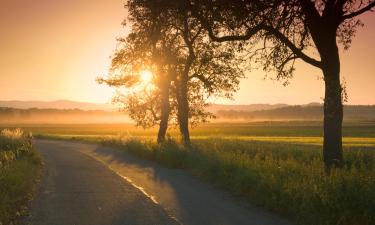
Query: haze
x=55 y=50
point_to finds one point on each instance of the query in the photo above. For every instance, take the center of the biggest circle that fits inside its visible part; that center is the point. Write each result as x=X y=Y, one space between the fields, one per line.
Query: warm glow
x=146 y=76
x=55 y=49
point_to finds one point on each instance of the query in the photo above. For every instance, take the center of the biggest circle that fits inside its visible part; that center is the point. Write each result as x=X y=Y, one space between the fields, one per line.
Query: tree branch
x=252 y=32
x=359 y=12
x=208 y=84
x=298 y=52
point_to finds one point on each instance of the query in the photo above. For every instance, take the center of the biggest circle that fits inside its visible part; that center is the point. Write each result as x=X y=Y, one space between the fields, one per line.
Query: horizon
x=210 y=103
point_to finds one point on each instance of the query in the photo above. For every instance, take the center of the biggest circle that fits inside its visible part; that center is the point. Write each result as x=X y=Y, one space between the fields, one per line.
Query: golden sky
x=52 y=49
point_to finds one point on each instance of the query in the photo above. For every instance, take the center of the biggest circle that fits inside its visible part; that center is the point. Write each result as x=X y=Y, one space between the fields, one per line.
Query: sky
x=52 y=50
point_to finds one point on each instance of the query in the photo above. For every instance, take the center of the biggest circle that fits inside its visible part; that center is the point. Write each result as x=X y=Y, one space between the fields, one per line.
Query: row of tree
x=200 y=48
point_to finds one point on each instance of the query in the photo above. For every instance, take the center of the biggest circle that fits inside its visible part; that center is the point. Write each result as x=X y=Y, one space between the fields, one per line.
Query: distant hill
x=298 y=112
x=59 y=104
x=66 y=104
x=214 y=108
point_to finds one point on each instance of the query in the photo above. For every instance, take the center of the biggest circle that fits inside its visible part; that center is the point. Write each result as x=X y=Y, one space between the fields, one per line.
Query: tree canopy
x=188 y=68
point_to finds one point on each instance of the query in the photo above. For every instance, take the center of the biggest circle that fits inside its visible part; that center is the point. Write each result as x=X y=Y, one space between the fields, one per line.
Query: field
x=275 y=165
x=355 y=134
x=294 y=128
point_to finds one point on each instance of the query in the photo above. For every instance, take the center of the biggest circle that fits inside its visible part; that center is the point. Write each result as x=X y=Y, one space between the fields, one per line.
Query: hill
x=59 y=104
x=214 y=108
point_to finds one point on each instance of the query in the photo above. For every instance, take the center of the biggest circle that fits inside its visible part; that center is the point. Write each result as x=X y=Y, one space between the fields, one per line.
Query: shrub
x=19 y=168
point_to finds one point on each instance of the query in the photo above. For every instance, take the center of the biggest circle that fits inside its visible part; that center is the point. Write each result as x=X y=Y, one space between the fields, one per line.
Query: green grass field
x=355 y=135
x=276 y=165
x=281 y=129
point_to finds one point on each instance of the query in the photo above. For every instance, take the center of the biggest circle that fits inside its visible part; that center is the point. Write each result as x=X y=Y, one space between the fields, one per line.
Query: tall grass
x=19 y=167
x=13 y=144
x=285 y=178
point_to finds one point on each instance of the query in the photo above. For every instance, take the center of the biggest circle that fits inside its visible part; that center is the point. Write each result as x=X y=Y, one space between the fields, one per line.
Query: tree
x=188 y=68
x=206 y=68
x=147 y=103
x=291 y=30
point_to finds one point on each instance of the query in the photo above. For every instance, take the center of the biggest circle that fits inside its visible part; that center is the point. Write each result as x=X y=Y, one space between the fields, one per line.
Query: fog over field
x=69 y=112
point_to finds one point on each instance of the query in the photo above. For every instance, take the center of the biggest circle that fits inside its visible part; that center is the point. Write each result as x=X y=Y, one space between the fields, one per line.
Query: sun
x=146 y=76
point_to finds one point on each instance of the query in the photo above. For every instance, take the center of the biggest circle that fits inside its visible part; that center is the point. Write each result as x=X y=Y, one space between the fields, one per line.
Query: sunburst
x=146 y=76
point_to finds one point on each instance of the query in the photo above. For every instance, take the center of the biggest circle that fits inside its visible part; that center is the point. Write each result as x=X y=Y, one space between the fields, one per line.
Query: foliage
x=19 y=168
x=13 y=144
x=277 y=33
x=170 y=45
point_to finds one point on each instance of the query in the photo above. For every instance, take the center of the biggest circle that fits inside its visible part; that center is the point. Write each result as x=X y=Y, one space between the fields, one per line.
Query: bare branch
x=359 y=12
x=252 y=32
x=298 y=52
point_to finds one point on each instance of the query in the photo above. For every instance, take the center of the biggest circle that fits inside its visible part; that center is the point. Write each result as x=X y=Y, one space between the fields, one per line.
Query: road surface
x=92 y=184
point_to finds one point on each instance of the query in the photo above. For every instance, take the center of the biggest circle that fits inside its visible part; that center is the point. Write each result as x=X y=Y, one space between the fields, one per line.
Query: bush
x=19 y=168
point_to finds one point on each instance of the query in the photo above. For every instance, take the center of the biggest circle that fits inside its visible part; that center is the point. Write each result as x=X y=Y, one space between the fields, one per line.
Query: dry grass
x=19 y=168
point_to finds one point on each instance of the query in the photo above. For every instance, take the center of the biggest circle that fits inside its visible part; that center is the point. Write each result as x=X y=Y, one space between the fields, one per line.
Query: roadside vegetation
x=19 y=169
x=285 y=178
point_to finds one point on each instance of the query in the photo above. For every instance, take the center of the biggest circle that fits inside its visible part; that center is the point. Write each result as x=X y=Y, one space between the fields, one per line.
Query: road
x=92 y=184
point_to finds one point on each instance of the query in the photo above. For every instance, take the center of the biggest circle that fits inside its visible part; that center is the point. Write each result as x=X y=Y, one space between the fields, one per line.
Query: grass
x=285 y=178
x=19 y=169
x=276 y=166
x=258 y=129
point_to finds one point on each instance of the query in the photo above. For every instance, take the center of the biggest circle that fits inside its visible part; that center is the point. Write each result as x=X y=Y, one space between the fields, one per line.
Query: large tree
x=188 y=68
x=287 y=31
x=206 y=68
x=143 y=51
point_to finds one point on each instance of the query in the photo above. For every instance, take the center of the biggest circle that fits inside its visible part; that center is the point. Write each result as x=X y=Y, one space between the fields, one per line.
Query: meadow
x=227 y=129
x=19 y=169
x=275 y=165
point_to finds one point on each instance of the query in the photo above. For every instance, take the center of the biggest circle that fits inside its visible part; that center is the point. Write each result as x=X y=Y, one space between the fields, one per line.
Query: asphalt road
x=77 y=189
x=92 y=184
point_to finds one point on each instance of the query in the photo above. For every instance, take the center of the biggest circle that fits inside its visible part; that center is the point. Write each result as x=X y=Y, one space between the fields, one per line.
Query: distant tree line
x=352 y=112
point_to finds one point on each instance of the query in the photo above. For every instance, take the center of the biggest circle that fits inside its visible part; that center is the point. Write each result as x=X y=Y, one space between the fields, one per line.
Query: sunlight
x=146 y=76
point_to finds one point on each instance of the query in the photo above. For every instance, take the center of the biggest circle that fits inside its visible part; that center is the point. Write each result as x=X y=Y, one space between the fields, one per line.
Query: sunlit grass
x=19 y=167
x=265 y=129
x=283 y=177
x=347 y=141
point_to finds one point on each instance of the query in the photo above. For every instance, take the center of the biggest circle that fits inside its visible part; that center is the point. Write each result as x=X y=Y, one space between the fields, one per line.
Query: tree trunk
x=183 y=110
x=165 y=110
x=333 y=109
